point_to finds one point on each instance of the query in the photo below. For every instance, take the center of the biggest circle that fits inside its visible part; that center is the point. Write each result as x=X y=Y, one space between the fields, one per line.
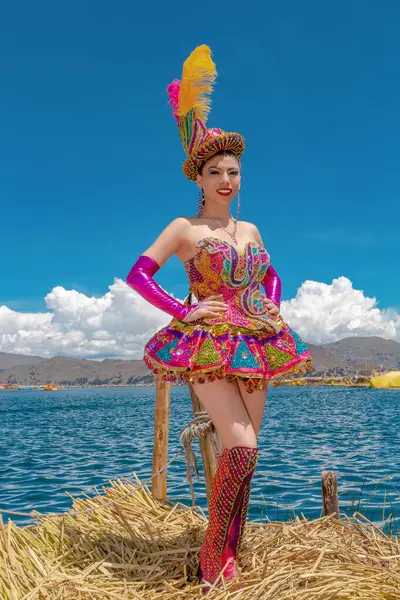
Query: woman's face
x=220 y=178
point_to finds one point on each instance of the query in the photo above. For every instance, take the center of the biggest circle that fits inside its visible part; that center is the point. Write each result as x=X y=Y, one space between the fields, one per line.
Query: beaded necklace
x=232 y=235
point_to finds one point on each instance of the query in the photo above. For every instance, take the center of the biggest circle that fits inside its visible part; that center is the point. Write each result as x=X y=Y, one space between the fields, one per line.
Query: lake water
x=73 y=440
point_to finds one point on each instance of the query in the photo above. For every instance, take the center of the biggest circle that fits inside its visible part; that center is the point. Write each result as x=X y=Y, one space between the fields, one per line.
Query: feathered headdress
x=190 y=99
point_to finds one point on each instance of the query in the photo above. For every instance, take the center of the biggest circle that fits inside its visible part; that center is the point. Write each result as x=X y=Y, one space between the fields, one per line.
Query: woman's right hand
x=209 y=307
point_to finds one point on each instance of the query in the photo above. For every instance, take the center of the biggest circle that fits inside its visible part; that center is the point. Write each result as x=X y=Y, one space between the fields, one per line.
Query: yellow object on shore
x=389 y=380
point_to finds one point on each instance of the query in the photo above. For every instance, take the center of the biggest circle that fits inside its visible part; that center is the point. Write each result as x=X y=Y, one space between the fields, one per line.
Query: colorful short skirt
x=197 y=352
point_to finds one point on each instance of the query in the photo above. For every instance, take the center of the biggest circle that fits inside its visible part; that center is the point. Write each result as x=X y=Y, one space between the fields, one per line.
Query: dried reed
x=140 y=548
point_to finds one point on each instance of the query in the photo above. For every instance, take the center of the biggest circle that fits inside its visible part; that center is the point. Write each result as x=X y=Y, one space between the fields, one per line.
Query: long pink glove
x=272 y=286
x=140 y=278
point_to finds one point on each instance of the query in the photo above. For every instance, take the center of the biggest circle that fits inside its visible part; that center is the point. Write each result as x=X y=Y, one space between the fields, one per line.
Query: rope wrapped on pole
x=195 y=429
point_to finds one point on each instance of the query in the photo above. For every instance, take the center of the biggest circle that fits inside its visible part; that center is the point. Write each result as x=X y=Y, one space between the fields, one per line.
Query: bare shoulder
x=189 y=225
x=179 y=225
x=189 y=220
x=169 y=240
x=180 y=228
x=252 y=231
x=247 y=225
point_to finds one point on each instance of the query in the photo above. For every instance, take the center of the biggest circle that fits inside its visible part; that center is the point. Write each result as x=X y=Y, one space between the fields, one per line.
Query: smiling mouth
x=224 y=191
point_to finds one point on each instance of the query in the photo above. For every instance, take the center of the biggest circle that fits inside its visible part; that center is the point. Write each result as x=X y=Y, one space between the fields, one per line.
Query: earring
x=238 y=206
x=238 y=196
x=200 y=201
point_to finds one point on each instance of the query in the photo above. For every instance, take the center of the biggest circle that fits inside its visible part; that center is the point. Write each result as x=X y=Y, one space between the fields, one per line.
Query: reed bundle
x=140 y=548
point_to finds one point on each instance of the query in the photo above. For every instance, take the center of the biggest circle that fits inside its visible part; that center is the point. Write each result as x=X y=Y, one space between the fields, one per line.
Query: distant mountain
x=372 y=351
x=344 y=357
x=62 y=370
x=11 y=360
x=323 y=361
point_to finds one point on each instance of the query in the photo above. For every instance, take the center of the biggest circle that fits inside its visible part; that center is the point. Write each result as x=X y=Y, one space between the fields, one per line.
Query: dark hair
x=220 y=153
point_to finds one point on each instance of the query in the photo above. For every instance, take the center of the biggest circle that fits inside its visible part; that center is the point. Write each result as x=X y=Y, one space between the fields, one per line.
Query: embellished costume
x=246 y=342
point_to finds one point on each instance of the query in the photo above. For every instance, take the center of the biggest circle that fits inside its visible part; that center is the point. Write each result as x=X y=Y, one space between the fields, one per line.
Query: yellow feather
x=198 y=76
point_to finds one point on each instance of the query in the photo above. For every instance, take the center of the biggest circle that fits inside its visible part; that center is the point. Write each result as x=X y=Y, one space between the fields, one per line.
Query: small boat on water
x=49 y=387
x=25 y=387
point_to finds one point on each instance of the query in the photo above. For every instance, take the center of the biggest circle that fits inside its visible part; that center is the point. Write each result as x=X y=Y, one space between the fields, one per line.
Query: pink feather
x=173 y=92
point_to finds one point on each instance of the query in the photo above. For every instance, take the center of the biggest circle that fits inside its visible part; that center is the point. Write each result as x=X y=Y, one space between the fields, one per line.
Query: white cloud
x=119 y=323
x=324 y=313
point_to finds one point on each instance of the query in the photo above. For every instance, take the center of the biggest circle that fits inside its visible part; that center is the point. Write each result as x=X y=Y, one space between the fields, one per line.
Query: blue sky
x=90 y=158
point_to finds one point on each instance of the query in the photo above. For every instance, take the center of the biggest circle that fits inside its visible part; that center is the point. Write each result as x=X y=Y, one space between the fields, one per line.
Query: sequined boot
x=238 y=524
x=240 y=518
x=227 y=514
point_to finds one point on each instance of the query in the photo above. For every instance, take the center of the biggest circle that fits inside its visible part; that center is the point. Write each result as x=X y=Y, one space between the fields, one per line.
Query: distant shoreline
x=303 y=382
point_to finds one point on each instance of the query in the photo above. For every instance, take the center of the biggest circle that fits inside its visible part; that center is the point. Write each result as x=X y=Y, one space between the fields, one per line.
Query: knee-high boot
x=227 y=512
x=240 y=518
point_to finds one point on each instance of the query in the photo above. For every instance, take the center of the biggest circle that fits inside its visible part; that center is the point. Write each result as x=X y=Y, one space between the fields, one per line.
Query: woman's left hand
x=272 y=308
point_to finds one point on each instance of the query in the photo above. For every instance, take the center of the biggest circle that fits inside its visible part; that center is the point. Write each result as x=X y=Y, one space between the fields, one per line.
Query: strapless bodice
x=218 y=268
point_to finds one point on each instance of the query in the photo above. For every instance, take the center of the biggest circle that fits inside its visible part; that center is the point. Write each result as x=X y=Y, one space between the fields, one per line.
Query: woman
x=232 y=341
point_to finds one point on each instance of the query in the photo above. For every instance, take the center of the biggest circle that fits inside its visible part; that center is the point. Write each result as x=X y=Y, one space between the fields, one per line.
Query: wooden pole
x=330 y=493
x=210 y=446
x=161 y=431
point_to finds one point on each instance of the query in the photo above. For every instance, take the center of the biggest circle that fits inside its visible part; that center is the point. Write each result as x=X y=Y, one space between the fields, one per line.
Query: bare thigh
x=255 y=405
x=224 y=403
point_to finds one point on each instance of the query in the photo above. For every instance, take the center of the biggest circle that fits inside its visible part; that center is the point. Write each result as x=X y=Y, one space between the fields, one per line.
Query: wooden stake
x=161 y=432
x=210 y=446
x=330 y=493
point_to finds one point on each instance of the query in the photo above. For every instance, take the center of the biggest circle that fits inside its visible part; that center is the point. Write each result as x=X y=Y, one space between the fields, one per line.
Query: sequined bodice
x=218 y=268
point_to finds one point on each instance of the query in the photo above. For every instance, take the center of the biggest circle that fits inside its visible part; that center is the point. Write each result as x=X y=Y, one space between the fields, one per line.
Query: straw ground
x=140 y=548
